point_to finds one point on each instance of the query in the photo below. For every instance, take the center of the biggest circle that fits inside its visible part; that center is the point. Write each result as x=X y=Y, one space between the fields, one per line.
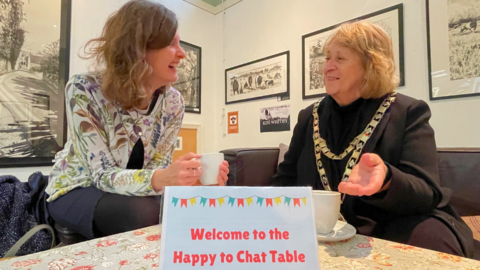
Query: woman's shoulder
x=408 y=104
x=173 y=93
x=174 y=96
x=305 y=113
x=85 y=78
x=174 y=100
x=85 y=82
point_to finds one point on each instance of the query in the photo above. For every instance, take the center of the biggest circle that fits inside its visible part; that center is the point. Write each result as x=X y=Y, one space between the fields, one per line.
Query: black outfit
x=94 y=213
x=414 y=210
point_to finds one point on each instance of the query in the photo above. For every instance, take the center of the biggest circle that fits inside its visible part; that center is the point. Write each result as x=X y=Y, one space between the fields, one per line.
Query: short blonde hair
x=119 y=53
x=374 y=47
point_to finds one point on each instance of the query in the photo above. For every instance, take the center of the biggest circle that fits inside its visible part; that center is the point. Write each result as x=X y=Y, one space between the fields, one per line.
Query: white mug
x=210 y=168
x=327 y=209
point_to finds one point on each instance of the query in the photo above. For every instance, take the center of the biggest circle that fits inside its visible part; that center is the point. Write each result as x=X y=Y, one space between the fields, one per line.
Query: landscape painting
x=33 y=71
x=453 y=35
x=189 y=82
x=262 y=78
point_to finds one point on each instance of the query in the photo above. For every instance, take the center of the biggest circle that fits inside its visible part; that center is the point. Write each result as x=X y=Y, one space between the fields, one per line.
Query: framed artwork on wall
x=453 y=40
x=189 y=82
x=262 y=78
x=34 y=62
x=390 y=19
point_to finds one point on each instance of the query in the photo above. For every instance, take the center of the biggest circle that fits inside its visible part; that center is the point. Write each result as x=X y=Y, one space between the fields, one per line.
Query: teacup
x=327 y=209
x=210 y=168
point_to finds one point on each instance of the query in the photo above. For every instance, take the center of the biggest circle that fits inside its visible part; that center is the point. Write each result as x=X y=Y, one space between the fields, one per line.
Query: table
x=140 y=249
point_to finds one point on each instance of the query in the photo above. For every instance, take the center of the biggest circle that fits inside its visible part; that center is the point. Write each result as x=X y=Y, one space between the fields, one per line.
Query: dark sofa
x=459 y=170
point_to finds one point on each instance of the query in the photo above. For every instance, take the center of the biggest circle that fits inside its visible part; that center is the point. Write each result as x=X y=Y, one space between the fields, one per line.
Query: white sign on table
x=238 y=227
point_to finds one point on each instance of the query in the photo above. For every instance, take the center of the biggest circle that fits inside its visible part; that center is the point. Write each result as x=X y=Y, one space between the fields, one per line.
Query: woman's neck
x=145 y=103
x=345 y=99
x=149 y=93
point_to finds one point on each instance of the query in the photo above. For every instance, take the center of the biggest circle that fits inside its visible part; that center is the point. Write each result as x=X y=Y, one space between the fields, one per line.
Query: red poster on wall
x=232 y=122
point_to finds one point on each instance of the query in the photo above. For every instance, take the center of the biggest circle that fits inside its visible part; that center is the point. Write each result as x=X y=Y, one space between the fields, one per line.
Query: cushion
x=283 y=149
x=474 y=223
x=251 y=166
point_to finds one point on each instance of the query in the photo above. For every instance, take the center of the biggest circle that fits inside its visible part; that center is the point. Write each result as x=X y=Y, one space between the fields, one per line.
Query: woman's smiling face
x=164 y=62
x=343 y=74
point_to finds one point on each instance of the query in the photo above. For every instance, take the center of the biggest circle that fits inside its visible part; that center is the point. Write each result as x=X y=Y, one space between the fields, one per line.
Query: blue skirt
x=94 y=213
x=75 y=210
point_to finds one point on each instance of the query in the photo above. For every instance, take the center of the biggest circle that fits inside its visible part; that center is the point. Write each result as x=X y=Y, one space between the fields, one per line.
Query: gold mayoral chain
x=356 y=144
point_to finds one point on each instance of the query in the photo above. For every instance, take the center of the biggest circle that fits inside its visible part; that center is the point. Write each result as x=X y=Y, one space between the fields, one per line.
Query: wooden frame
x=32 y=94
x=262 y=78
x=189 y=81
x=453 y=54
x=391 y=19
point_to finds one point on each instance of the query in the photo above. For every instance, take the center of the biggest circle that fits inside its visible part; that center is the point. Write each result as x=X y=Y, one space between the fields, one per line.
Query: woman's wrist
x=156 y=181
x=388 y=177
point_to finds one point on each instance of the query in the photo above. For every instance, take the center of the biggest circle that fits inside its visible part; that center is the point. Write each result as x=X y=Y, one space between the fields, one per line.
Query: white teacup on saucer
x=327 y=210
x=341 y=231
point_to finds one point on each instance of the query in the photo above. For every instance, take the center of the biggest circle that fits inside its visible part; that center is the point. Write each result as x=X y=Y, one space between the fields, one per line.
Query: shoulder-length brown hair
x=374 y=46
x=118 y=54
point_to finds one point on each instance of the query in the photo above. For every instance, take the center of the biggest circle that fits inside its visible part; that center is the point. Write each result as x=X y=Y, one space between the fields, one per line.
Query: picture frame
x=189 y=82
x=391 y=19
x=33 y=72
x=179 y=144
x=452 y=46
x=261 y=78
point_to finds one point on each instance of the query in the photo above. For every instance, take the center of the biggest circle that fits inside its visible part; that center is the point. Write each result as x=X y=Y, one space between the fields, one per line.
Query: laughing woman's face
x=164 y=62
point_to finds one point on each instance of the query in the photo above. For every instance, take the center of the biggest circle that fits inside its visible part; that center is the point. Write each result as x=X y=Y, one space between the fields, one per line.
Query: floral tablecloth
x=140 y=249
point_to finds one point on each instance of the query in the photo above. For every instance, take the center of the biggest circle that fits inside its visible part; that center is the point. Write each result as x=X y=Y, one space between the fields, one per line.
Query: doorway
x=186 y=142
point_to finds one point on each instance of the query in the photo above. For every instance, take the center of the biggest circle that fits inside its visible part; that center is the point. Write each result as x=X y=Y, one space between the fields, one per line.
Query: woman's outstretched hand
x=367 y=177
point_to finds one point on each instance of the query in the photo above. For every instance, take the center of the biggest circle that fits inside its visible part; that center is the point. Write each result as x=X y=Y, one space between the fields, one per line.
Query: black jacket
x=405 y=140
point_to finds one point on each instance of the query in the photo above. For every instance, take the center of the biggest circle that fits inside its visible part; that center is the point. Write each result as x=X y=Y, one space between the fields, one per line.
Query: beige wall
x=196 y=27
x=257 y=28
x=253 y=29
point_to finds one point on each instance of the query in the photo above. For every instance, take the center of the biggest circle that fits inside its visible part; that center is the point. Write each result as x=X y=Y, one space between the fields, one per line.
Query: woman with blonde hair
x=375 y=146
x=123 y=120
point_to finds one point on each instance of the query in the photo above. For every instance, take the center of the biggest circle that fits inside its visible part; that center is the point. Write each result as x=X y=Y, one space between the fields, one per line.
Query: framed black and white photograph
x=34 y=60
x=262 y=78
x=453 y=38
x=275 y=118
x=390 y=19
x=189 y=82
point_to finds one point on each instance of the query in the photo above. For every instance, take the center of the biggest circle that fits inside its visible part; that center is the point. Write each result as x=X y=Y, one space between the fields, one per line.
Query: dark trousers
x=423 y=231
x=94 y=213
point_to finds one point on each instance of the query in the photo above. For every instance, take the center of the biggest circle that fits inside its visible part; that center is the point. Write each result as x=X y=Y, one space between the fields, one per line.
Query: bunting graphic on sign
x=240 y=202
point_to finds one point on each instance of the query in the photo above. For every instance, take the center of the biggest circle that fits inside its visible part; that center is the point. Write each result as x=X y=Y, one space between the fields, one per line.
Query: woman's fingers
x=191 y=171
x=191 y=164
x=189 y=156
x=355 y=187
x=224 y=168
x=373 y=186
x=371 y=159
x=222 y=178
x=223 y=173
x=349 y=188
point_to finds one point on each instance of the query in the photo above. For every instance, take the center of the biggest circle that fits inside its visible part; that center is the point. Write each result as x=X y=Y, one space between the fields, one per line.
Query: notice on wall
x=232 y=122
x=276 y=118
x=238 y=228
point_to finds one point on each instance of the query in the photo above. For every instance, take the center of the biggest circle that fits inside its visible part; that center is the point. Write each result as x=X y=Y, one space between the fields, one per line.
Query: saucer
x=341 y=231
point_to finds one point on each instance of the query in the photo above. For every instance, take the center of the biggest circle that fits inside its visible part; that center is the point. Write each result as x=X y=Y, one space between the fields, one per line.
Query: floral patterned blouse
x=101 y=136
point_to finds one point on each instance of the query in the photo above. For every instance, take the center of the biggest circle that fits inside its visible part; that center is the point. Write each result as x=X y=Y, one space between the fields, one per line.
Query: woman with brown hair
x=375 y=146
x=123 y=121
